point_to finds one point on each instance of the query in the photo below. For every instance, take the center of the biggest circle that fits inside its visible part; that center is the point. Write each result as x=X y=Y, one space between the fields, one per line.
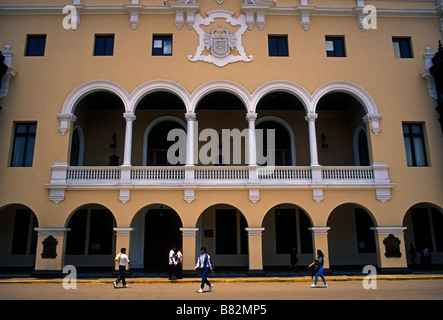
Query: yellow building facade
x=93 y=90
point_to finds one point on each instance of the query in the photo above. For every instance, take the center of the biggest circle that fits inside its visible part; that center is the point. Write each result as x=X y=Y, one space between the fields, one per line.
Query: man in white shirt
x=122 y=259
x=204 y=264
x=172 y=263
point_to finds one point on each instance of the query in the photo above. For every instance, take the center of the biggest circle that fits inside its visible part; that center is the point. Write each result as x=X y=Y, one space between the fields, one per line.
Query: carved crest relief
x=222 y=46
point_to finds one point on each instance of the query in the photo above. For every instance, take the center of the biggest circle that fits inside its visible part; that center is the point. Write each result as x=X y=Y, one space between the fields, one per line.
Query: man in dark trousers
x=122 y=259
x=204 y=264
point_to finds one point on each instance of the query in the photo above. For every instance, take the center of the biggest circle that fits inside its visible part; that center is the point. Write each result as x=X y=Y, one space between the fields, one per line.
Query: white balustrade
x=221 y=173
x=211 y=174
x=87 y=174
x=157 y=173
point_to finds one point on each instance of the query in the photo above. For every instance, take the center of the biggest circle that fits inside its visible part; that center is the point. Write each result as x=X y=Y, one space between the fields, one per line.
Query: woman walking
x=318 y=263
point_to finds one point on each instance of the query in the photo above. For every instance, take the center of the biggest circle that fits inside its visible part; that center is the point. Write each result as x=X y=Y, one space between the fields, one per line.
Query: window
x=162 y=45
x=414 y=145
x=402 y=47
x=278 y=46
x=23 y=147
x=335 y=47
x=35 y=45
x=104 y=45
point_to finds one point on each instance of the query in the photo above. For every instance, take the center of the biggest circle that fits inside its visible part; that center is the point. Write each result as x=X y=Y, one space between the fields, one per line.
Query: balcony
x=187 y=178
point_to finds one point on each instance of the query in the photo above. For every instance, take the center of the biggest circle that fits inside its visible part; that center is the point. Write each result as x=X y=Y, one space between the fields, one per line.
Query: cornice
x=146 y=9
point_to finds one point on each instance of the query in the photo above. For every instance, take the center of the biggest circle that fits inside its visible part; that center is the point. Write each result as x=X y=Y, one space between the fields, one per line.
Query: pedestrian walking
x=204 y=264
x=172 y=263
x=318 y=264
x=179 y=269
x=122 y=259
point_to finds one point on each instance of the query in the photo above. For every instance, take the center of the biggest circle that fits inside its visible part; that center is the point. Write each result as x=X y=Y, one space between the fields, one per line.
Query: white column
x=190 y=118
x=130 y=117
x=310 y=118
x=252 y=147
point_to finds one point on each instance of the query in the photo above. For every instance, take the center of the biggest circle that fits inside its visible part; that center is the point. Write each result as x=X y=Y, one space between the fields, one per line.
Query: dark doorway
x=162 y=230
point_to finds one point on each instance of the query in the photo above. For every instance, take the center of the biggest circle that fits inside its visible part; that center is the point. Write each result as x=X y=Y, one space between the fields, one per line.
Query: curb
x=229 y=280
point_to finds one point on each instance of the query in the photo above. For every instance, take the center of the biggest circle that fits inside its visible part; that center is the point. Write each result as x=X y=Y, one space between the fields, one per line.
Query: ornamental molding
x=220 y=46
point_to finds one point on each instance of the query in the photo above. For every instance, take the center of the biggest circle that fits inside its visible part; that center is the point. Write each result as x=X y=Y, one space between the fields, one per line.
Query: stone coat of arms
x=220 y=43
x=223 y=46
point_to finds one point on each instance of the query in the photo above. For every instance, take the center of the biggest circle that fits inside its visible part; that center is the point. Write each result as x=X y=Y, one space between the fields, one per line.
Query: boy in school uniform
x=122 y=259
x=204 y=264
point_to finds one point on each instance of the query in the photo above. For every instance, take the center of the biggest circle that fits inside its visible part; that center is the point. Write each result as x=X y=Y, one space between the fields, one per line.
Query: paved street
x=238 y=299
x=337 y=290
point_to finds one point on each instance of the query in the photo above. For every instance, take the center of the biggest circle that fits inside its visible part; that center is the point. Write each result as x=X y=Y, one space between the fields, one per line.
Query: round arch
x=221 y=86
x=287 y=226
x=423 y=222
x=91 y=239
x=361 y=95
x=89 y=87
x=159 y=85
x=156 y=228
x=283 y=86
x=17 y=235
x=350 y=238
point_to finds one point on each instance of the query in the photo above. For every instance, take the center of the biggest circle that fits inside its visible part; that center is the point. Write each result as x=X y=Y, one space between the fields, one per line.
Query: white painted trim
x=221 y=86
x=156 y=86
x=283 y=86
x=362 y=96
x=93 y=86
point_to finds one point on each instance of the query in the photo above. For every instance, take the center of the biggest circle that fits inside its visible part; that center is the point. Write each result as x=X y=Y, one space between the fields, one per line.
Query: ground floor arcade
x=92 y=233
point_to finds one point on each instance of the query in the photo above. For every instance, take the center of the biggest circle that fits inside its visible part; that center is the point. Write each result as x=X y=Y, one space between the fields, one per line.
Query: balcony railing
x=66 y=177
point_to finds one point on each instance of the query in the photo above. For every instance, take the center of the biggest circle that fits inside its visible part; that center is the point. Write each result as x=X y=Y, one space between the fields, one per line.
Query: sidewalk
x=221 y=276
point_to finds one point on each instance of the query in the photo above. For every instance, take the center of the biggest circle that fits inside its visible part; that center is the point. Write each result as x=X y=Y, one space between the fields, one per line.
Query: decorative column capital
x=389 y=230
x=129 y=116
x=189 y=231
x=320 y=230
x=251 y=116
x=255 y=231
x=55 y=231
x=311 y=116
x=190 y=116
x=64 y=119
x=374 y=119
x=123 y=231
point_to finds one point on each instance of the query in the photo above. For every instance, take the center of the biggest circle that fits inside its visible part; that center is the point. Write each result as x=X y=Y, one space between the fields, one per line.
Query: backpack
x=117 y=258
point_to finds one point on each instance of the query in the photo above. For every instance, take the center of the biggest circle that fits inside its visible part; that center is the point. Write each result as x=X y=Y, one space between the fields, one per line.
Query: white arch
x=288 y=129
x=221 y=85
x=283 y=86
x=151 y=125
x=353 y=89
x=156 y=86
x=93 y=86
